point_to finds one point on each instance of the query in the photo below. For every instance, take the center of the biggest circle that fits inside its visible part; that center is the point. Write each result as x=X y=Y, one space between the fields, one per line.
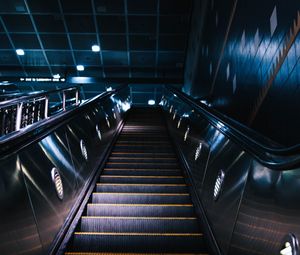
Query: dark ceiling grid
x=67 y=34
x=127 y=37
x=38 y=36
x=157 y=38
x=137 y=38
x=98 y=37
x=12 y=44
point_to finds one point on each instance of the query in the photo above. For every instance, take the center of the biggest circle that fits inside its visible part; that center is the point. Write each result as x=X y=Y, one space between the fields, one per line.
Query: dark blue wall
x=241 y=65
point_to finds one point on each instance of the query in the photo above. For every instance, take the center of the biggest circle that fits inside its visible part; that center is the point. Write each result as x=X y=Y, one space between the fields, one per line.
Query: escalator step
x=143 y=148
x=141 y=172
x=141 y=188
x=141 y=165
x=146 y=210
x=142 y=179
x=141 y=203
x=142 y=154
x=131 y=253
x=139 y=224
x=141 y=198
x=139 y=242
x=143 y=159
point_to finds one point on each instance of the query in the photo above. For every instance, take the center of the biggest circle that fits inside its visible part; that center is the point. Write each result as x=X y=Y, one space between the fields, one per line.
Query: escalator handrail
x=277 y=158
x=21 y=138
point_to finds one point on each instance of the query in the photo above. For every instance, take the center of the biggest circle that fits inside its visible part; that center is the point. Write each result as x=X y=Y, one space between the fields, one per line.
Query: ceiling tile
x=142 y=7
x=60 y=58
x=174 y=24
x=33 y=58
x=80 y=23
x=18 y=23
x=71 y=6
x=142 y=59
x=82 y=41
x=175 y=7
x=172 y=42
x=171 y=59
x=25 y=41
x=4 y=42
x=113 y=42
x=111 y=24
x=87 y=58
x=142 y=42
x=55 y=41
x=143 y=72
x=115 y=58
x=49 y=23
x=109 y=6
x=41 y=71
x=45 y=6
x=142 y=24
x=17 y=6
x=115 y=72
x=9 y=57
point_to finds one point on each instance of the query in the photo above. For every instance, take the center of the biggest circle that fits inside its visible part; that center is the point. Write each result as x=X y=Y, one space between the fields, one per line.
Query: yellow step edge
x=139 y=184
x=126 y=141
x=156 y=153
x=141 y=176
x=131 y=144
x=138 y=218
x=142 y=163
x=143 y=205
x=137 y=169
x=107 y=253
x=135 y=234
x=141 y=158
x=141 y=194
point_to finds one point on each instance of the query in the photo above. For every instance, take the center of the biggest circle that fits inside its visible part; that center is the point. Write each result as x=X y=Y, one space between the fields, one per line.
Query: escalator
x=141 y=203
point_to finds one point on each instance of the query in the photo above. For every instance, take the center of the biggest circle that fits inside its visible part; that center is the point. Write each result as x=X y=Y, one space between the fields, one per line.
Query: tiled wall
x=247 y=63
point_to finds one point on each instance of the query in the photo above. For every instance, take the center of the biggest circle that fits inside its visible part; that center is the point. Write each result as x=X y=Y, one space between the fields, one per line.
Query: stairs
x=141 y=204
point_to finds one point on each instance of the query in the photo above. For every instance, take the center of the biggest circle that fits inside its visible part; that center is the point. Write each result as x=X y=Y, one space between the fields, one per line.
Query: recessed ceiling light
x=20 y=52
x=80 y=68
x=56 y=76
x=151 y=102
x=95 y=48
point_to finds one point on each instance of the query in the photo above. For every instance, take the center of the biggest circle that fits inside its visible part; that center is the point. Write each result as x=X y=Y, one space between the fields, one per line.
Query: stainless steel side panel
x=18 y=230
x=37 y=161
x=269 y=211
x=207 y=151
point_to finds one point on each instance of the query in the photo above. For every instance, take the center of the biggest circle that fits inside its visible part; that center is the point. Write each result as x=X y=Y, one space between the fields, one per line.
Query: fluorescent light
x=20 y=52
x=80 y=68
x=151 y=102
x=56 y=76
x=95 y=48
x=109 y=89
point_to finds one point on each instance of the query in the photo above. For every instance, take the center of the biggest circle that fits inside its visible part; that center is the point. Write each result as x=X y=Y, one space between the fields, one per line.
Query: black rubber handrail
x=277 y=158
x=19 y=139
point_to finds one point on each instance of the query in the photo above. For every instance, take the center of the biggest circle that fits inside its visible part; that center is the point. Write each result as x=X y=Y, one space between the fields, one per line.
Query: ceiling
x=138 y=38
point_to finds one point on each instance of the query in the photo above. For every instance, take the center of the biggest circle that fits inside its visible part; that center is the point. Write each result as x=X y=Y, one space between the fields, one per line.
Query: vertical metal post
x=46 y=107
x=77 y=97
x=19 y=116
x=64 y=100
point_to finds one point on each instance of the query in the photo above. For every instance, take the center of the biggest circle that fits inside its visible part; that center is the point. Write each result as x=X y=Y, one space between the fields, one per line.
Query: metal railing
x=20 y=112
x=274 y=157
